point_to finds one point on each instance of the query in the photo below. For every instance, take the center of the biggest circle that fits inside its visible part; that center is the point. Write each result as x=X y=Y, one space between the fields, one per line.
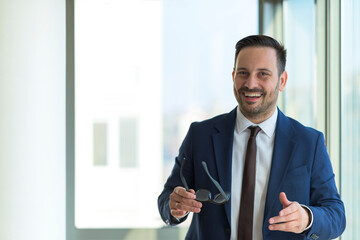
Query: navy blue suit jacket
x=300 y=167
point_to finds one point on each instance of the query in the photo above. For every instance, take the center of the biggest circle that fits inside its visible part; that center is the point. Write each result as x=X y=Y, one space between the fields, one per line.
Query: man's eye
x=264 y=74
x=243 y=73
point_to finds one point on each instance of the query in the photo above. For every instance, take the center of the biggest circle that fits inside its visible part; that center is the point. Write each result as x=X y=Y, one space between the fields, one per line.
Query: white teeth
x=252 y=94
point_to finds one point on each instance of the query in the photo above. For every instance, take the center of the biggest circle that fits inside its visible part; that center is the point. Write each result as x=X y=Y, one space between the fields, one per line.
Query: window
x=350 y=113
x=118 y=81
x=293 y=23
x=144 y=70
x=299 y=39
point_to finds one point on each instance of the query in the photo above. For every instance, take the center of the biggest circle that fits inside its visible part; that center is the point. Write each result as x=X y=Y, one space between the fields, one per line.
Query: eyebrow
x=264 y=69
x=258 y=69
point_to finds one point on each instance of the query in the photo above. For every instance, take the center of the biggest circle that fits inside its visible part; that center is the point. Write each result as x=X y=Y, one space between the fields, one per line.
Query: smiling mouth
x=252 y=95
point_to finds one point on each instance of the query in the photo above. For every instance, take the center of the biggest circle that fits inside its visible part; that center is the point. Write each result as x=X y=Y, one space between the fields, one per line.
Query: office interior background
x=97 y=95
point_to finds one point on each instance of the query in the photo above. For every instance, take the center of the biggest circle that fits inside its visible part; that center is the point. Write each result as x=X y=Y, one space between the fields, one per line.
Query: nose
x=251 y=82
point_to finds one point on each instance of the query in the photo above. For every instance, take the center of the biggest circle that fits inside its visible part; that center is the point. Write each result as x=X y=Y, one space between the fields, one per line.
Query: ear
x=283 y=80
x=233 y=74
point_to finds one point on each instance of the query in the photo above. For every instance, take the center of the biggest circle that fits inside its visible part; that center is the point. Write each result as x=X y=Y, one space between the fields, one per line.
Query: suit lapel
x=223 y=145
x=284 y=146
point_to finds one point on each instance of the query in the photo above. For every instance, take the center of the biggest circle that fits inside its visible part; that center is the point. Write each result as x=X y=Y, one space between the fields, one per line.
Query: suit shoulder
x=219 y=120
x=304 y=130
x=210 y=121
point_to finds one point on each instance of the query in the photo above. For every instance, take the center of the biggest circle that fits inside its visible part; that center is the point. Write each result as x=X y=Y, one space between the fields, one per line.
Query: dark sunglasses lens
x=219 y=198
x=203 y=195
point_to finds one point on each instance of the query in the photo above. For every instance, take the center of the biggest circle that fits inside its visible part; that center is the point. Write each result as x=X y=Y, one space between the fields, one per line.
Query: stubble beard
x=262 y=110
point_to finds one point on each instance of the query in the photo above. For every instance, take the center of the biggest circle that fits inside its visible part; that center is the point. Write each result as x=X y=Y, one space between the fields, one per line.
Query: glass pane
x=118 y=81
x=147 y=69
x=350 y=122
x=299 y=39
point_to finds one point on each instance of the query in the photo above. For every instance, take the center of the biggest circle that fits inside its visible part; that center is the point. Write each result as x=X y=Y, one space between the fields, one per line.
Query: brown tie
x=245 y=223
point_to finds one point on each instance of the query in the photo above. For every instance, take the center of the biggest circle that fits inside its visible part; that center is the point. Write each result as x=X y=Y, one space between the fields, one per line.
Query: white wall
x=32 y=119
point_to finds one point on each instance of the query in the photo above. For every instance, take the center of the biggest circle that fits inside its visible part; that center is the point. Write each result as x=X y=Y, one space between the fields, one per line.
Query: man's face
x=257 y=82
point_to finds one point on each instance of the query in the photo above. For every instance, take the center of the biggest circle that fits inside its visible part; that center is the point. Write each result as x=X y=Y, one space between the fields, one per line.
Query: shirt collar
x=268 y=126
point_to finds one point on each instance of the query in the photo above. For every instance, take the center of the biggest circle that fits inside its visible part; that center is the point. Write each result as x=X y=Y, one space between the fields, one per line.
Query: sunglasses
x=203 y=195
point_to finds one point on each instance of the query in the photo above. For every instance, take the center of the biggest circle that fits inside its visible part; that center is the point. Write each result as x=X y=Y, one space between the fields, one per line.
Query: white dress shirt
x=265 y=145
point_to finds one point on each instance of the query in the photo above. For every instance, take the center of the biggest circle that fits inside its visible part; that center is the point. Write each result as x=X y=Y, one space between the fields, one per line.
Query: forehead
x=259 y=57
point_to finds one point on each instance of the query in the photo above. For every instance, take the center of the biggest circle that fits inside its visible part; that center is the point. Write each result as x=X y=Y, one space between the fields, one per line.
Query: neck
x=260 y=117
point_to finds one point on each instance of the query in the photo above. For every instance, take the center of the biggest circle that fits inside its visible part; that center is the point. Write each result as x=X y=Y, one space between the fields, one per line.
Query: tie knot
x=254 y=130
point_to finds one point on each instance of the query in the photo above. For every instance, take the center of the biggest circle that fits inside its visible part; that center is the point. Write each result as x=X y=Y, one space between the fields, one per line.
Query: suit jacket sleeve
x=325 y=203
x=174 y=180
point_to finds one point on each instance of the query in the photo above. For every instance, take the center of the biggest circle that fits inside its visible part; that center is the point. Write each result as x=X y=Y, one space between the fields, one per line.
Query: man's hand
x=292 y=218
x=182 y=202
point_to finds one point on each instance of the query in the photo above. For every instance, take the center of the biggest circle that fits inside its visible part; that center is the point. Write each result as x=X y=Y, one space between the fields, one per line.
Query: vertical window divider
x=271 y=15
x=321 y=63
x=333 y=86
x=70 y=122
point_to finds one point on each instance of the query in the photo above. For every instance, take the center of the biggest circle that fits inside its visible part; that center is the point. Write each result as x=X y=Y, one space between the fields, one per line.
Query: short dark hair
x=264 y=41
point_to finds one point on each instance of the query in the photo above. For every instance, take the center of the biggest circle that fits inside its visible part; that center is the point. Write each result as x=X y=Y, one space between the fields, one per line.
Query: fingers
x=292 y=226
x=281 y=219
x=293 y=207
x=182 y=202
x=183 y=193
x=283 y=200
x=293 y=218
x=289 y=220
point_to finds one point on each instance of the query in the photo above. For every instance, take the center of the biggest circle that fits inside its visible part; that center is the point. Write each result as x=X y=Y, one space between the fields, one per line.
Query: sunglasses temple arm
x=183 y=180
x=213 y=180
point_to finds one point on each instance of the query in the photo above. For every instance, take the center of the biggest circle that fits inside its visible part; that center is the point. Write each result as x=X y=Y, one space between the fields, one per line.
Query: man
x=278 y=171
